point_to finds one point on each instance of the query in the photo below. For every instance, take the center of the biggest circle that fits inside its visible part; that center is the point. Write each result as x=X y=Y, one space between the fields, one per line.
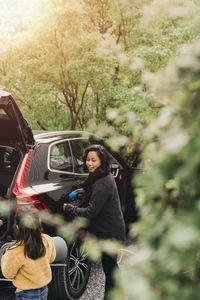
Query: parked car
x=38 y=169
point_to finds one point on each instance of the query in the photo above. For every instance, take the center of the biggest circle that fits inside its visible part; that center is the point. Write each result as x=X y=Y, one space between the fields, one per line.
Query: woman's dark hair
x=28 y=232
x=102 y=154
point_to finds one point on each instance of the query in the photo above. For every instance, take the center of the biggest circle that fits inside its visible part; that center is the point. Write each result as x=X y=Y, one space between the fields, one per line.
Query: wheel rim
x=77 y=268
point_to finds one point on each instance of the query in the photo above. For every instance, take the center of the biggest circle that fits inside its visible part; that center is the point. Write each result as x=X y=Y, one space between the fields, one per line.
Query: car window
x=60 y=157
x=3 y=115
x=78 y=148
x=2 y=111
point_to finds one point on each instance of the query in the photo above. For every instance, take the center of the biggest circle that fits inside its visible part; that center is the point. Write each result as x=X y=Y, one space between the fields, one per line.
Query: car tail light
x=24 y=194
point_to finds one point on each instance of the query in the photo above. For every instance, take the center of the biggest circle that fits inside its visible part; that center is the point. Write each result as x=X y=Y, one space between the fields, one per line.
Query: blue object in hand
x=74 y=194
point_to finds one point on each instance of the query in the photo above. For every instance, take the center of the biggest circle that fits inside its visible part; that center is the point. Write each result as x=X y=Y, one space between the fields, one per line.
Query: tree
x=87 y=57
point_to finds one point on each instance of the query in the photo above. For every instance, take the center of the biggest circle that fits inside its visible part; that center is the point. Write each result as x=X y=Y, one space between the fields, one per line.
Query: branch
x=30 y=108
x=119 y=34
x=82 y=98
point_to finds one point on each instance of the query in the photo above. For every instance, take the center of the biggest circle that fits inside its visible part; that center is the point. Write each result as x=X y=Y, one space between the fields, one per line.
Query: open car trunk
x=13 y=127
x=10 y=158
x=16 y=138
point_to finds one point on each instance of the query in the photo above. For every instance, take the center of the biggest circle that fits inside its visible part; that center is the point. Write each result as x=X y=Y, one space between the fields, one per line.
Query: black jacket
x=102 y=207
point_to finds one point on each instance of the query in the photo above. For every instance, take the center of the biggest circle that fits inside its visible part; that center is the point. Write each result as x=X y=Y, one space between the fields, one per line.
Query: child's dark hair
x=102 y=154
x=28 y=232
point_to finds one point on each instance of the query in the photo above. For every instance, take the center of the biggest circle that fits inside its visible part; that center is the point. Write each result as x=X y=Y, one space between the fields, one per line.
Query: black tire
x=70 y=282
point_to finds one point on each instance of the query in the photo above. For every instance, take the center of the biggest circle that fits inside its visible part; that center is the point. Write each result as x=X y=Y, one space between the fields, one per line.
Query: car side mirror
x=114 y=169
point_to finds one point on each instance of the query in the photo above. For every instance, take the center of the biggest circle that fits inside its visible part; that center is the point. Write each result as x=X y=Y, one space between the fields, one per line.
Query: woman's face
x=92 y=161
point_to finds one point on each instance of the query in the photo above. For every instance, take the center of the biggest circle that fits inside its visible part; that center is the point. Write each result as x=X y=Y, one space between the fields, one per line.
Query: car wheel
x=70 y=282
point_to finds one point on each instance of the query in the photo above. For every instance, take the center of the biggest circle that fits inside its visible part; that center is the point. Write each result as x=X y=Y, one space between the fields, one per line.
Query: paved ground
x=95 y=286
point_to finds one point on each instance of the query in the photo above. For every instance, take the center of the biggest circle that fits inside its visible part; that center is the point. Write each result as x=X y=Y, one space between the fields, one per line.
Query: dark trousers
x=109 y=264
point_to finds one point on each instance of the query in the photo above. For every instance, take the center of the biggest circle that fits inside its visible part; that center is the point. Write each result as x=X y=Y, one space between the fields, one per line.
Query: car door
x=123 y=175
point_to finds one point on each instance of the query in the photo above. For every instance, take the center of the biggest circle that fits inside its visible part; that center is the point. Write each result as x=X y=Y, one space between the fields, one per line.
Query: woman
x=101 y=206
x=27 y=261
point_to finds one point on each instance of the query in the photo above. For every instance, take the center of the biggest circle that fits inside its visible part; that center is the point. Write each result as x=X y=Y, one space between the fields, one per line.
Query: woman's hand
x=64 y=205
x=1 y=222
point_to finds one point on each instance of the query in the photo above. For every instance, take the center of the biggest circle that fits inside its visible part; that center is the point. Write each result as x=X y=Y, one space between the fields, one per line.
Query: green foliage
x=89 y=56
x=166 y=260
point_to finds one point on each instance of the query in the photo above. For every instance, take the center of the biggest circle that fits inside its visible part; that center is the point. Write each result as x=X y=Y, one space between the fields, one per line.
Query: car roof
x=51 y=136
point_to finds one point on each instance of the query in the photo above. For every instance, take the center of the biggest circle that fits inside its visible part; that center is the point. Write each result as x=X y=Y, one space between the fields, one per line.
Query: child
x=26 y=262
